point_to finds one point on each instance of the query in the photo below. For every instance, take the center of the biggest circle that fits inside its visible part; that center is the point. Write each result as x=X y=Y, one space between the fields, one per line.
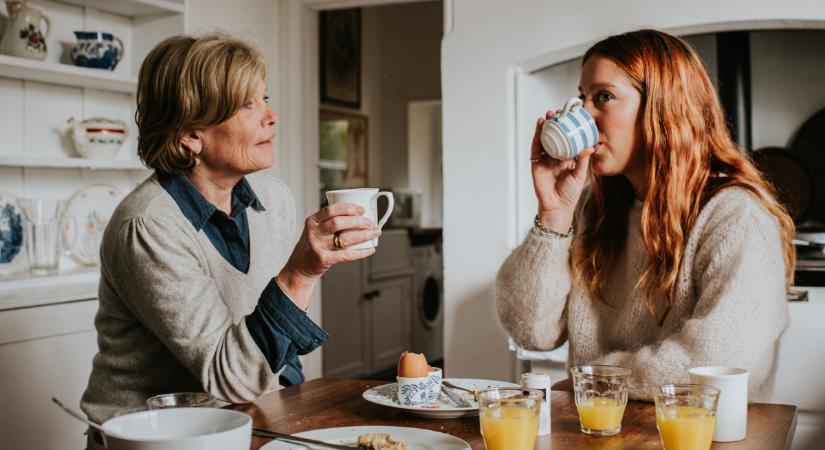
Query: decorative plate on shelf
x=12 y=250
x=87 y=213
x=413 y=438
x=443 y=407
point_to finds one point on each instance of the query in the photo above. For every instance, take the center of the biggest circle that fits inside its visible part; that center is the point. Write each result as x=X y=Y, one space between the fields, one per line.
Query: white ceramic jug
x=24 y=36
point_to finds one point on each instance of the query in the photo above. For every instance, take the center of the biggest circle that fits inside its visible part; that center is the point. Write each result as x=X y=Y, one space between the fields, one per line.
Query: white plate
x=12 y=248
x=87 y=214
x=414 y=438
x=442 y=408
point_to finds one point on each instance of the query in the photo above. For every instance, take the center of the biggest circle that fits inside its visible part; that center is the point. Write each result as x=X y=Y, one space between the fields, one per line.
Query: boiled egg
x=412 y=365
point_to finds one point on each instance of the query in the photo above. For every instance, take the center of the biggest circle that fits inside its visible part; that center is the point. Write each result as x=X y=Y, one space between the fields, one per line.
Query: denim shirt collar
x=196 y=208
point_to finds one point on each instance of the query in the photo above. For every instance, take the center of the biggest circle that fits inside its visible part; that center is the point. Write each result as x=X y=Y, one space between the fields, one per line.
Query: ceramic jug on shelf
x=24 y=36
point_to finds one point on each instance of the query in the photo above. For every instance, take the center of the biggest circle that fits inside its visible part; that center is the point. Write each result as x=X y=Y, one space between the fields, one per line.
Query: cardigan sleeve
x=160 y=274
x=531 y=292
x=741 y=309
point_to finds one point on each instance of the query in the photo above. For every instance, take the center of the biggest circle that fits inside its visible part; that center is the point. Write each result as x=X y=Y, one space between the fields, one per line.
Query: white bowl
x=179 y=429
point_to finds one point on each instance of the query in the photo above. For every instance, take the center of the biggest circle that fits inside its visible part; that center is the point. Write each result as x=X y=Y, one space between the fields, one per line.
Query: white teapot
x=98 y=137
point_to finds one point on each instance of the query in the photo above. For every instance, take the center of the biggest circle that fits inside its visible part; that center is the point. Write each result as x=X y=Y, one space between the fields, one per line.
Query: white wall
x=484 y=42
x=401 y=62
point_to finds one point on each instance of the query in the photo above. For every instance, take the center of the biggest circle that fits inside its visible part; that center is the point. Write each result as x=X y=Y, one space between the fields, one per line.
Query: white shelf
x=69 y=163
x=132 y=8
x=26 y=290
x=64 y=74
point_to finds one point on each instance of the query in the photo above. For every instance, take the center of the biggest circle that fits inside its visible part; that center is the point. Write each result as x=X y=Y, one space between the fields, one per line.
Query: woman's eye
x=604 y=97
x=266 y=99
x=248 y=105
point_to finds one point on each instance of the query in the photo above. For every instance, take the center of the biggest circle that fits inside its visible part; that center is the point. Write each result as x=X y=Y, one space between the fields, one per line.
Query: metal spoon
x=77 y=415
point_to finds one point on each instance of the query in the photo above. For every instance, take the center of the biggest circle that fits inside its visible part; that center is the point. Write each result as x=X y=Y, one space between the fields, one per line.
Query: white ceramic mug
x=367 y=198
x=732 y=412
x=572 y=130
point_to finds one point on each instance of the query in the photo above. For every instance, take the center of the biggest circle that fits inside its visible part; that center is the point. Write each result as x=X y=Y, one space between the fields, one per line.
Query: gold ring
x=336 y=241
x=541 y=155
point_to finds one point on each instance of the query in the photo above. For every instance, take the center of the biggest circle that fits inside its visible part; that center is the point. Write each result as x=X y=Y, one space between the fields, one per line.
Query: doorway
x=372 y=308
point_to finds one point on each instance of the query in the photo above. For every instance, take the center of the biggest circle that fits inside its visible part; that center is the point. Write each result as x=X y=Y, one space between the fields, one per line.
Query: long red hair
x=690 y=157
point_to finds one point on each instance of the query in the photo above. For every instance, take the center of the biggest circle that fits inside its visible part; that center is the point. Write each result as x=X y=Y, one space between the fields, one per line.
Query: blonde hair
x=191 y=83
x=691 y=157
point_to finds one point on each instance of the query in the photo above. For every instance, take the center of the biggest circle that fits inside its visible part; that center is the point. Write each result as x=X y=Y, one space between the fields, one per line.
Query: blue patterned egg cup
x=96 y=50
x=413 y=391
x=434 y=382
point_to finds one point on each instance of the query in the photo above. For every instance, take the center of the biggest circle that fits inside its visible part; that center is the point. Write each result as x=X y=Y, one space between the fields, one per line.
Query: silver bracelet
x=539 y=226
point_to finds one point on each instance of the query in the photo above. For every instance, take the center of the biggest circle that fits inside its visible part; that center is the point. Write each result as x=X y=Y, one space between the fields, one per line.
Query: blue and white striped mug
x=566 y=134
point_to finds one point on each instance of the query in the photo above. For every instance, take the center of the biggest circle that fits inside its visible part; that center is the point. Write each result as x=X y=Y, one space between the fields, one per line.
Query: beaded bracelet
x=539 y=226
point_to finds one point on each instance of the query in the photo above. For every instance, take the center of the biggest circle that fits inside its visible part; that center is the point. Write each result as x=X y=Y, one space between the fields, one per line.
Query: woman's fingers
x=535 y=147
x=347 y=238
x=353 y=255
x=582 y=163
x=337 y=209
x=337 y=224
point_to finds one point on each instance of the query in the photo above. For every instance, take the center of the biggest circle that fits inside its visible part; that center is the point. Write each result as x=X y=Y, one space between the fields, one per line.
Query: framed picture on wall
x=341 y=57
x=343 y=150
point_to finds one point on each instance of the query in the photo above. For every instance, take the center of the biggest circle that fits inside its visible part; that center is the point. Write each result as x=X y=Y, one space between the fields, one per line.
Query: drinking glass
x=182 y=400
x=41 y=225
x=509 y=417
x=601 y=397
x=686 y=415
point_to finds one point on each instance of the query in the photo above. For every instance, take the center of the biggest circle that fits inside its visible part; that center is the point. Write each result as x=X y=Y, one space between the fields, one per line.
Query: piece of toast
x=380 y=441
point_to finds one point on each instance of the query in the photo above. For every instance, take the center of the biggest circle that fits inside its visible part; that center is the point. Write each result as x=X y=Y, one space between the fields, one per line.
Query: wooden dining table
x=327 y=403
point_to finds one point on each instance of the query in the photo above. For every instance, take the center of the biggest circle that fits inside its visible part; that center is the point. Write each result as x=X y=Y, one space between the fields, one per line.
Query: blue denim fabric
x=228 y=233
x=280 y=329
x=282 y=332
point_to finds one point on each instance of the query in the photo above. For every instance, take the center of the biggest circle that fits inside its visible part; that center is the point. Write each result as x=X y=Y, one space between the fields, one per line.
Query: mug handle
x=48 y=27
x=573 y=102
x=120 y=49
x=391 y=204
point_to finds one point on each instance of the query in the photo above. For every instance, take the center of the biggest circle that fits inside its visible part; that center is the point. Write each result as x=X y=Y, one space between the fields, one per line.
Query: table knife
x=261 y=432
x=455 y=398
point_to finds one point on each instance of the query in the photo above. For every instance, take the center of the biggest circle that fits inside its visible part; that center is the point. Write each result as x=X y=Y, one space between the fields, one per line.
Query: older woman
x=202 y=285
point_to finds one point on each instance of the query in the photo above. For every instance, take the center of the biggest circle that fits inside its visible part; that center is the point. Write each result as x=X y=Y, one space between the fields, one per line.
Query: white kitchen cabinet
x=800 y=365
x=45 y=351
x=389 y=320
x=366 y=307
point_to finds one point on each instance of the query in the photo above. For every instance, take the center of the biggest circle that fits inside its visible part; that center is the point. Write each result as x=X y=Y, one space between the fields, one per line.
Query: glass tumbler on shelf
x=42 y=220
x=601 y=397
x=509 y=417
x=686 y=415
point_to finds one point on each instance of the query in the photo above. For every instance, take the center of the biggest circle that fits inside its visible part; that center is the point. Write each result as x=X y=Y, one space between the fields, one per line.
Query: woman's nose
x=271 y=118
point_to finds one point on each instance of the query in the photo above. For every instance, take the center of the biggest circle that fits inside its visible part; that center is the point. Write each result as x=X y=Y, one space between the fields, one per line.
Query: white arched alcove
x=547 y=80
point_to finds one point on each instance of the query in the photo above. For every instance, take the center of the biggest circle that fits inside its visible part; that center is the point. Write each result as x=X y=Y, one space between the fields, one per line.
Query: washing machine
x=428 y=307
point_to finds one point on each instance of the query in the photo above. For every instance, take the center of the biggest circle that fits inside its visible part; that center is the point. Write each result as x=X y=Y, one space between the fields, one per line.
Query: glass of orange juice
x=509 y=417
x=686 y=415
x=601 y=397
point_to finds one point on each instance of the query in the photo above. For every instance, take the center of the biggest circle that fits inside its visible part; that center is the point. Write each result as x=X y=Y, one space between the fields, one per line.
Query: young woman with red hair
x=681 y=256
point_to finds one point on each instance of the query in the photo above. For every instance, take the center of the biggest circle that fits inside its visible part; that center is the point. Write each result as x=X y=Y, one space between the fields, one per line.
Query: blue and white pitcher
x=97 y=50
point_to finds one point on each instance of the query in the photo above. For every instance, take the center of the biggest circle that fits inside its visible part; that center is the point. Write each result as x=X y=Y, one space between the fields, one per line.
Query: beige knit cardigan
x=729 y=304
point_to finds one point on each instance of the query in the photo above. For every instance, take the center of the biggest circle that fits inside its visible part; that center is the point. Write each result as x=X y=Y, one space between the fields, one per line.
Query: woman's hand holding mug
x=559 y=182
x=322 y=244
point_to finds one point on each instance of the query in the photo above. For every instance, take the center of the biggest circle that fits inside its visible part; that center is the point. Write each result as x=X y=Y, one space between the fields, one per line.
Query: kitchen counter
x=31 y=290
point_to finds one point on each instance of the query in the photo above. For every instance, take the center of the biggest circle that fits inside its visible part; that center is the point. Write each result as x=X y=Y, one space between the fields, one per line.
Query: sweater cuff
x=281 y=330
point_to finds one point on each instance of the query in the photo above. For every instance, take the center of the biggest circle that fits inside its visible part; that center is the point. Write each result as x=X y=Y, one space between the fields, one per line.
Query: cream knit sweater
x=729 y=306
